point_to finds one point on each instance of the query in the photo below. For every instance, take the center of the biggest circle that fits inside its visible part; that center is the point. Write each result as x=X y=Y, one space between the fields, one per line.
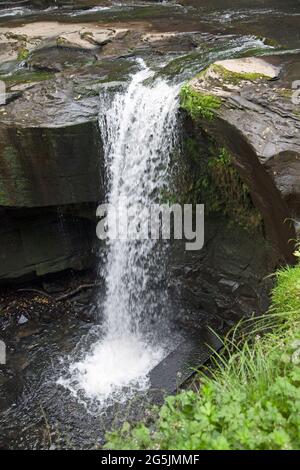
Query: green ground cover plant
x=250 y=399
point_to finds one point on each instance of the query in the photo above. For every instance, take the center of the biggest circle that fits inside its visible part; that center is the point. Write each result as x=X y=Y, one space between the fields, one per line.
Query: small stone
x=22 y=320
x=227 y=282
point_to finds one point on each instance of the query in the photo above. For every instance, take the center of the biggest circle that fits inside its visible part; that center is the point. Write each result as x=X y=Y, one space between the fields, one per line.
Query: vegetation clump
x=223 y=190
x=214 y=181
x=252 y=398
x=198 y=105
x=23 y=53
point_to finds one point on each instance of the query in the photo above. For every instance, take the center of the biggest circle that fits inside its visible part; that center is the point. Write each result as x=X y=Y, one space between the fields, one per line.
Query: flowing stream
x=138 y=132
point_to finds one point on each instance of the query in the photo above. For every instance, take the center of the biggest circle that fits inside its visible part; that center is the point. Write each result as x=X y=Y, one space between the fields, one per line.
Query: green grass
x=251 y=400
x=198 y=105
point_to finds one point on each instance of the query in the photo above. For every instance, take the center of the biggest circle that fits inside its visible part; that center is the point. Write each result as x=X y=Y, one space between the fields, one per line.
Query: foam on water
x=138 y=133
x=113 y=364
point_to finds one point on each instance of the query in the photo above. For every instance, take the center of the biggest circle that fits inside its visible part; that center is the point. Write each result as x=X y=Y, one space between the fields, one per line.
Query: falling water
x=138 y=133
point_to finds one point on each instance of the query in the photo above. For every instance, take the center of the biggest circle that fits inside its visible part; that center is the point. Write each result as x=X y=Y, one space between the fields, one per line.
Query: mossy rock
x=198 y=105
x=235 y=78
x=24 y=76
x=211 y=179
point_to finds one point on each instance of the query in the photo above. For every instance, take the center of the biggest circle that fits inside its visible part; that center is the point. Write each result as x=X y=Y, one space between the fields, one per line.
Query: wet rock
x=47 y=159
x=226 y=280
x=56 y=59
x=50 y=146
x=62 y=41
x=249 y=67
x=258 y=123
x=29 y=331
x=38 y=242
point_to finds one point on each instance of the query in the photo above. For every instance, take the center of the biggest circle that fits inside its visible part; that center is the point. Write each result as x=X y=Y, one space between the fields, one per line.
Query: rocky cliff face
x=51 y=164
x=50 y=167
x=50 y=148
x=246 y=107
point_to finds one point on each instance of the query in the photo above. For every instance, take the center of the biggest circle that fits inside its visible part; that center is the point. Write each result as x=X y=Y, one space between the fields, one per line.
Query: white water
x=138 y=131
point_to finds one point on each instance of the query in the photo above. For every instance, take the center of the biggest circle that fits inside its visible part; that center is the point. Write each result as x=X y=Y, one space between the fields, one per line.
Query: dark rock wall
x=257 y=122
x=36 y=242
x=50 y=166
x=51 y=181
x=266 y=196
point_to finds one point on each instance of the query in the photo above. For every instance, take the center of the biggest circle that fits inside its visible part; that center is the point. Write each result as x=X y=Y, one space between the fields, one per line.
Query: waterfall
x=138 y=133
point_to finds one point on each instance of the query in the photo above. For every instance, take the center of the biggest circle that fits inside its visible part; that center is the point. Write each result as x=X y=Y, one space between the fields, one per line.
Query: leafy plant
x=251 y=400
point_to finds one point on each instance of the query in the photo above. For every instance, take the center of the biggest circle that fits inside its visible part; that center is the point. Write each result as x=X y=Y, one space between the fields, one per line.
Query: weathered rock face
x=222 y=283
x=255 y=118
x=50 y=147
x=35 y=242
x=49 y=166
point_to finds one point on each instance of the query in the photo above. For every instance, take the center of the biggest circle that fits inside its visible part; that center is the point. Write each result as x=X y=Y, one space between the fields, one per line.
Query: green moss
x=25 y=77
x=215 y=182
x=23 y=53
x=198 y=105
x=251 y=400
x=234 y=77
